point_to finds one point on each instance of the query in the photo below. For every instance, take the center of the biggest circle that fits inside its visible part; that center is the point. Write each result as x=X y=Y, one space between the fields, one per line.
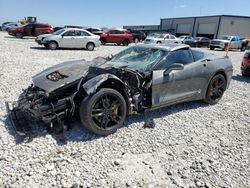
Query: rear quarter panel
x=221 y=65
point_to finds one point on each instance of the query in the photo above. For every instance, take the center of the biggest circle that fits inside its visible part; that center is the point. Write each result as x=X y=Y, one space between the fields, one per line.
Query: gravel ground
x=192 y=144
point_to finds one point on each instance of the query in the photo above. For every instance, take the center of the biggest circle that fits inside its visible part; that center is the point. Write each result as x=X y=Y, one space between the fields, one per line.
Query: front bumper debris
x=18 y=119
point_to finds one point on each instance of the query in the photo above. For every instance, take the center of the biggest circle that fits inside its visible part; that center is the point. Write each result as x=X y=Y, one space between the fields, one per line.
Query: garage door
x=206 y=28
x=183 y=29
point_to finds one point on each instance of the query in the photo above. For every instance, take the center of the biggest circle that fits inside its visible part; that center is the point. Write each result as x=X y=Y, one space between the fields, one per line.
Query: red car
x=245 y=66
x=31 y=29
x=118 y=36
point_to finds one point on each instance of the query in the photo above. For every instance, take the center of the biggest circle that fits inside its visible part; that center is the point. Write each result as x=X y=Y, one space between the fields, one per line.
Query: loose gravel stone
x=193 y=140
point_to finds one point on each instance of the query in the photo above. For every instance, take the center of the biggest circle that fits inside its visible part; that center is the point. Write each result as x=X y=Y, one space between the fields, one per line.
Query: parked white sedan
x=69 y=38
x=159 y=38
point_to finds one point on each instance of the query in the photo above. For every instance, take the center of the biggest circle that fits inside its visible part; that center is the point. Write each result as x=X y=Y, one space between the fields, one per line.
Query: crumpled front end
x=34 y=105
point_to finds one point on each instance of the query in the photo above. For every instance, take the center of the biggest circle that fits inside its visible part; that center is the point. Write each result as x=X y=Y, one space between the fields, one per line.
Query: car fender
x=92 y=41
x=92 y=85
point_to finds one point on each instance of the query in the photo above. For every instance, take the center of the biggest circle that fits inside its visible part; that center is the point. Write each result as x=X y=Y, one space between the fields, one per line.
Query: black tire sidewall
x=208 y=98
x=86 y=107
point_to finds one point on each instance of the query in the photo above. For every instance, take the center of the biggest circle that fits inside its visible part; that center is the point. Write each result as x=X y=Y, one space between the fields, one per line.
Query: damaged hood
x=65 y=73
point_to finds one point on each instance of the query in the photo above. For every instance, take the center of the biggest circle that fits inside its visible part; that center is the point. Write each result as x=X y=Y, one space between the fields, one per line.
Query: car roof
x=68 y=28
x=166 y=47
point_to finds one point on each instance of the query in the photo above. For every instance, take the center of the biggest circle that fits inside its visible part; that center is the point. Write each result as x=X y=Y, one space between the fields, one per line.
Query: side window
x=180 y=56
x=81 y=33
x=119 y=32
x=167 y=37
x=172 y=37
x=69 y=33
x=112 y=32
x=197 y=55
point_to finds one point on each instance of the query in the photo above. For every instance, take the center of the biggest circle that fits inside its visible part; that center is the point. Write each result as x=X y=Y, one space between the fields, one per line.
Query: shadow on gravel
x=24 y=38
x=60 y=49
x=241 y=78
x=77 y=133
x=163 y=112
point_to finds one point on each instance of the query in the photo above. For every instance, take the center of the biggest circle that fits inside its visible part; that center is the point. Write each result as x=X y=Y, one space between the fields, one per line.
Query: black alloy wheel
x=216 y=89
x=104 y=112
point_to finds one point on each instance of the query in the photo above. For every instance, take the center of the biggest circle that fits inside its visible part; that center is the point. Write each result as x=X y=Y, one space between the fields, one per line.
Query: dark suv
x=118 y=36
x=138 y=35
x=31 y=29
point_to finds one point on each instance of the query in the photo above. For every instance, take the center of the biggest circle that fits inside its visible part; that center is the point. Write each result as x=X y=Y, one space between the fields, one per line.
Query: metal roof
x=223 y=15
x=166 y=47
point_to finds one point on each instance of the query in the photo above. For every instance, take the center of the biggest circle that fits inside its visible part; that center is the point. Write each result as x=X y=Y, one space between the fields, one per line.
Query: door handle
x=204 y=65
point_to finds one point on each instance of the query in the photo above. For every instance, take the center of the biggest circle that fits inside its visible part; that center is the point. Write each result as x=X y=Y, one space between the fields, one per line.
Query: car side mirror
x=175 y=66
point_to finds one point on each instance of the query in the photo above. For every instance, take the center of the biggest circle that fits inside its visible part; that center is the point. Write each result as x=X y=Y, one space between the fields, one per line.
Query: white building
x=208 y=26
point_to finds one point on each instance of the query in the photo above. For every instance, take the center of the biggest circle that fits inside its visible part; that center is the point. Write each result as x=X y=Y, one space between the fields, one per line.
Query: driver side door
x=178 y=85
x=68 y=39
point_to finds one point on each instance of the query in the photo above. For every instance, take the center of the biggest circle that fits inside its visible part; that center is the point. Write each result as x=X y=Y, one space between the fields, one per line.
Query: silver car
x=11 y=25
x=158 y=38
x=69 y=38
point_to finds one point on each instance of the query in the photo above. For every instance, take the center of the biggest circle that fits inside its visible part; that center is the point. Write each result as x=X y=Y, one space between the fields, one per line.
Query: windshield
x=59 y=32
x=137 y=58
x=226 y=38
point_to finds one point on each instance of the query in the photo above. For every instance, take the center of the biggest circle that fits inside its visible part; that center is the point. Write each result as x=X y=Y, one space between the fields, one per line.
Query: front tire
x=243 y=48
x=104 y=112
x=211 y=48
x=216 y=89
x=52 y=45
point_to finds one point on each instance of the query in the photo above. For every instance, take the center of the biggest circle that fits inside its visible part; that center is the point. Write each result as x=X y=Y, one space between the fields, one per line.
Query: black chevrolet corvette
x=104 y=91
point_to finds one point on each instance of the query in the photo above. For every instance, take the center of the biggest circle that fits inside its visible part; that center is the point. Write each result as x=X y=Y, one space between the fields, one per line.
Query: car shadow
x=77 y=132
x=24 y=38
x=60 y=49
x=241 y=78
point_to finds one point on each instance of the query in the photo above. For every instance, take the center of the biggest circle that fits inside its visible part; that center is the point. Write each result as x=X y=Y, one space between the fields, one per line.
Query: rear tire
x=52 y=45
x=125 y=42
x=90 y=46
x=103 y=41
x=104 y=112
x=158 y=42
x=211 y=48
x=19 y=35
x=216 y=89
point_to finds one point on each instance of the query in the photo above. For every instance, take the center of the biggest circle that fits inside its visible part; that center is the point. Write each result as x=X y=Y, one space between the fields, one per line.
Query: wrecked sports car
x=104 y=91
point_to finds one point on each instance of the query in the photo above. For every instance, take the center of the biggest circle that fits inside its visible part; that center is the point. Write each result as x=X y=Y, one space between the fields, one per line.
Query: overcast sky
x=116 y=13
